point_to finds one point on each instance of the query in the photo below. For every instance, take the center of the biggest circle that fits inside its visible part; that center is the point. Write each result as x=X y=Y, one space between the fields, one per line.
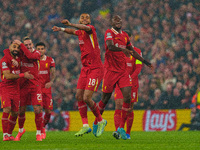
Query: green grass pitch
x=173 y=140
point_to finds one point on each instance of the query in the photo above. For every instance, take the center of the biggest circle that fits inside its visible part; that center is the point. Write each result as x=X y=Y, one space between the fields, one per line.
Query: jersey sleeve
x=4 y=65
x=7 y=54
x=78 y=32
x=138 y=64
x=92 y=29
x=108 y=35
x=28 y=54
x=52 y=64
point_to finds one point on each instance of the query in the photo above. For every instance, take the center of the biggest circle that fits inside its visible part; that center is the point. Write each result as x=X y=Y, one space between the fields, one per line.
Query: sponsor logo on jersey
x=27 y=64
x=129 y=64
x=43 y=72
x=81 y=42
x=16 y=71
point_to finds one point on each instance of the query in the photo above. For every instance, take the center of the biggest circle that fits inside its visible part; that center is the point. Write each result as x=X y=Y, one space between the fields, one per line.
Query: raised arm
x=66 y=30
x=77 y=26
x=28 y=54
x=69 y=30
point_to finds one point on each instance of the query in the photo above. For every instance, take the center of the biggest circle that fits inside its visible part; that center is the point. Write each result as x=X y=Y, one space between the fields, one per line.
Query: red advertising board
x=159 y=120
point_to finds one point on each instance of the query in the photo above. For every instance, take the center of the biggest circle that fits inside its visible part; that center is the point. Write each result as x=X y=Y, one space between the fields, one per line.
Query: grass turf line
x=174 y=140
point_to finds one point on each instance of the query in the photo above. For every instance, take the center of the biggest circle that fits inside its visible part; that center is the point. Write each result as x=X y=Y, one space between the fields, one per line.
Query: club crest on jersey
x=4 y=65
x=125 y=39
x=47 y=65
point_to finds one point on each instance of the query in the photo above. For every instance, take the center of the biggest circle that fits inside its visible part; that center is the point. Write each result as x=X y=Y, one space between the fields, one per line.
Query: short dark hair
x=26 y=38
x=40 y=44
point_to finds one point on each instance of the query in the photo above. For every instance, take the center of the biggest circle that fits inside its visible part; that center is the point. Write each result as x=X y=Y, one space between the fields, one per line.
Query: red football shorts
x=47 y=101
x=111 y=79
x=31 y=96
x=90 y=79
x=134 y=94
x=10 y=99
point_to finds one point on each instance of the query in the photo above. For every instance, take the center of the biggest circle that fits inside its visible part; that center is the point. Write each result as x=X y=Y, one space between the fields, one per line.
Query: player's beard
x=15 y=54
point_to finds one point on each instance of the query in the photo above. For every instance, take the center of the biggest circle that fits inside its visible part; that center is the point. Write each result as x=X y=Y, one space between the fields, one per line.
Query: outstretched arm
x=137 y=56
x=66 y=30
x=78 y=26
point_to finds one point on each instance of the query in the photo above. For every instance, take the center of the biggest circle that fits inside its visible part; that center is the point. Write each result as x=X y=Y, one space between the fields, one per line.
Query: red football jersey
x=116 y=61
x=44 y=73
x=6 y=64
x=30 y=62
x=134 y=67
x=90 y=51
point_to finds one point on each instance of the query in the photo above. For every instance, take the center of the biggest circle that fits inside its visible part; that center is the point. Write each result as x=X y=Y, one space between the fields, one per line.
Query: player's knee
x=118 y=104
x=48 y=111
x=86 y=98
x=14 y=113
x=37 y=109
x=127 y=100
x=79 y=97
x=7 y=109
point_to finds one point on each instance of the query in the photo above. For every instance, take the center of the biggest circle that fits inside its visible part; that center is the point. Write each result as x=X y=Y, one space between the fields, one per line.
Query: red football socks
x=46 y=119
x=21 y=120
x=96 y=112
x=101 y=107
x=82 y=107
x=125 y=112
x=5 y=122
x=129 y=122
x=11 y=124
x=38 y=121
x=117 y=118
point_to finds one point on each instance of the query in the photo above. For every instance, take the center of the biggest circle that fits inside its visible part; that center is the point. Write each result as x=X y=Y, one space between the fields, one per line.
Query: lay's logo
x=158 y=120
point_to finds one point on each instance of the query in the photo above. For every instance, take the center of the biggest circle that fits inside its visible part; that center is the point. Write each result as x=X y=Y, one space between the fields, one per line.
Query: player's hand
x=18 y=42
x=66 y=22
x=127 y=52
x=15 y=63
x=148 y=64
x=27 y=75
x=48 y=85
x=55 y=28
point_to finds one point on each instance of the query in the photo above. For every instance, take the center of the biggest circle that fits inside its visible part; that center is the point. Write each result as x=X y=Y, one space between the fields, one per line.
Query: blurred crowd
x=167 y=32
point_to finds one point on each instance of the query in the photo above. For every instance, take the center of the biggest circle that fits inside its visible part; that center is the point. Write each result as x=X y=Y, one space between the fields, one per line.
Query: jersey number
x=92 y=81
x=39 y=97
x=134 y=94
x=51 y=102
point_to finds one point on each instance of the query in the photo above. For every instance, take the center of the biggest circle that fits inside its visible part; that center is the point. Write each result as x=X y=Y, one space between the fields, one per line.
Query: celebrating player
x=10 y=91
x=134 y=67
x=30 y=90
x=91 y=72
x=46 y=78
x=118 y=46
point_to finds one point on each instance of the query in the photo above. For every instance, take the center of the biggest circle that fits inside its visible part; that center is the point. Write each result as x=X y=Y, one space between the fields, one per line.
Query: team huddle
x=28 y=74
